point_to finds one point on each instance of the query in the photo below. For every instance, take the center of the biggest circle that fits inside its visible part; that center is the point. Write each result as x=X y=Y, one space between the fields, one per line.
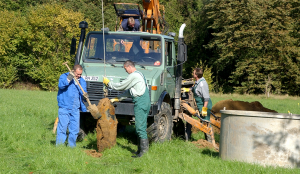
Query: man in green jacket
x=135 y=86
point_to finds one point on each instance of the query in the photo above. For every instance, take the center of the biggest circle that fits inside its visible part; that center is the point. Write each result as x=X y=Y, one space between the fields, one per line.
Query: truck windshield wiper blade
x=111 y=64
x=98 y=58
x=140 y=65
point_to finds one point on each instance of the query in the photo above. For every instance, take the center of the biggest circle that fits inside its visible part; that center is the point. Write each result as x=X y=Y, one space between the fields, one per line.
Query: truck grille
x=95 y=91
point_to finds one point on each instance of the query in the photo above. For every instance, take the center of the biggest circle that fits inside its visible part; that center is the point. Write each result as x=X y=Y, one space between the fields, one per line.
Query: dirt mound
x=93 y=153
x=204 y=144
x=106 y=125
x=238 y=105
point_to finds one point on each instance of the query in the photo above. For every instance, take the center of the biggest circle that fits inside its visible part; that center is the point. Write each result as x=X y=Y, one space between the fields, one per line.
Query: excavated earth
x=205 y=144
x=238 y=105
x=93 y=153
x=106 y=125
x=229 y=105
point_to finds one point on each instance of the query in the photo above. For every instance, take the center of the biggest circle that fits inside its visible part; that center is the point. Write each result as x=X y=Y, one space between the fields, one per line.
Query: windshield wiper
x=111 y=64
x=98 y=58
x=140 y=65
x=133 y=62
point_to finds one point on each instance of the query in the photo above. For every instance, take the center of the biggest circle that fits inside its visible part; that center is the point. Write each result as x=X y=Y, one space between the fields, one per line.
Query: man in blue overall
x=201 y=95
x=69 y=98
x=135 y=86
x=130 y=24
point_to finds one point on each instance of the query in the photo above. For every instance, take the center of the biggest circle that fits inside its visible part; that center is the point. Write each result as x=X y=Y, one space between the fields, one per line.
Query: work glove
x=204 y=111
x=86 y=95
x=105 y=81
x=70 y=76
x=114 y=100
x=185 y=89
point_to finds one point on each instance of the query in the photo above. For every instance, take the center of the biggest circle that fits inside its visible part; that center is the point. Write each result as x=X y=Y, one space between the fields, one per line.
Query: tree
x=254 y=41
x=47 y=42
x=11 y=24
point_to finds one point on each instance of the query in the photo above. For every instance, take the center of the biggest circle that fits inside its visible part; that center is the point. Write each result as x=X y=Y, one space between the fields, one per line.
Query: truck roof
x=133 y=33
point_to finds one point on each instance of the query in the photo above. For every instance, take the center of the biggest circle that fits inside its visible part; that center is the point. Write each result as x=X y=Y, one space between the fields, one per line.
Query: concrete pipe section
x=260 y=137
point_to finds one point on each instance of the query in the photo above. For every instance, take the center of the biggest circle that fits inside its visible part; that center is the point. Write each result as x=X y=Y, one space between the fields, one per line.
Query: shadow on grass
x=50 y=126
x=126 y=147
x=92 y=144
x=210 y=153
x=127 y=132
x=53 y=142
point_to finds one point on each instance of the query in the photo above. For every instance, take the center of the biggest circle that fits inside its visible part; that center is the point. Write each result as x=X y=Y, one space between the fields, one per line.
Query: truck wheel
x=161 y=129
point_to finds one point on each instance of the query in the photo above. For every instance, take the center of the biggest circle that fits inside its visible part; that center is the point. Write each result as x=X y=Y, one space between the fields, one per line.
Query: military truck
x=102 y=53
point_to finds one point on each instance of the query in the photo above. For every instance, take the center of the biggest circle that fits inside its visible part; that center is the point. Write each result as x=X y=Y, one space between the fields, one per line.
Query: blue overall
x=127 y=28
x=141 y=110
x=69 y=98
x=200 y=102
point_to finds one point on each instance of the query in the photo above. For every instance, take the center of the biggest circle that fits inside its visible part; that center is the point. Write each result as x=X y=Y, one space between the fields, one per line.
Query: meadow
x=27 y=144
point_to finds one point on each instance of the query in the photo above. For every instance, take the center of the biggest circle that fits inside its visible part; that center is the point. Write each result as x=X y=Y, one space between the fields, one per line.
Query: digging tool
x=215 y=121
x=92 y=107
x=203 y=125
x=55 y=125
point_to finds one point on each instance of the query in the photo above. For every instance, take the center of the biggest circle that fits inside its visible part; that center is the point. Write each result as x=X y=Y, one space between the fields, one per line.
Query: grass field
x=28 y=145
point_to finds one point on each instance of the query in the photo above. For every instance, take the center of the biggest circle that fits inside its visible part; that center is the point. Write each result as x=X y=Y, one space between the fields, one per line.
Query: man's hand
x=114 y=100
x=204 y=111
x=86 y=95
x=70 y=76
x=105 y=81
x=185 y=89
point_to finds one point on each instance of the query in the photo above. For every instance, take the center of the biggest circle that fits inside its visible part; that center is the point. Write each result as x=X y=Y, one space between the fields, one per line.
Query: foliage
x=11 y=24
x=251 y=46
x=255 y=44
x=51 y=28
x=34 y=46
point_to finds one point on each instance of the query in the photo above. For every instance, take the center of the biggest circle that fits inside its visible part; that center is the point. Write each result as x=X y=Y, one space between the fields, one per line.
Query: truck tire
x=161 y=128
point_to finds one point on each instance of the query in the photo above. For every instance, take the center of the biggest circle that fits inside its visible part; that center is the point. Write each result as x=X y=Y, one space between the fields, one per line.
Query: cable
x=103 y=41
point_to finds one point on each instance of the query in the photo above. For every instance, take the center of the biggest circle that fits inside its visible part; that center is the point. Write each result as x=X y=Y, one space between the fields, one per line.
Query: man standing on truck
x=201 y=95
x=130 y=24
x=135 y=86
x=69 y=98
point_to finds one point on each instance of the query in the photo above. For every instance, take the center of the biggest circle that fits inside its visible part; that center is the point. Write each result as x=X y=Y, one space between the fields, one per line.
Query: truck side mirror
x=182 y=53
x=73 y=46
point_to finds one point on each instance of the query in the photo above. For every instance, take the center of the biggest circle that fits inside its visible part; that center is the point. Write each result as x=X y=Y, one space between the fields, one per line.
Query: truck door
x=169 y=64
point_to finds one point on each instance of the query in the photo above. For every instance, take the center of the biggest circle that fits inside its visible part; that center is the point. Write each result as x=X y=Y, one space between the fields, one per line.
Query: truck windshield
x=143 y=50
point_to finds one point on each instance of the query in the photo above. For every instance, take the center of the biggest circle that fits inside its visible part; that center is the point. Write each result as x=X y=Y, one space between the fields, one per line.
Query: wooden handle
x=88 y=100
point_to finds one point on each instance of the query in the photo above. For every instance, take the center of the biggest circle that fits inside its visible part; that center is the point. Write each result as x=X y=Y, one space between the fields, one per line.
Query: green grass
x=28 y=145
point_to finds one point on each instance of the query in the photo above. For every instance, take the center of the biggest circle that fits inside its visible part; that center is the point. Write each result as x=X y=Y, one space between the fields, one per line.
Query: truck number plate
x=90 y=78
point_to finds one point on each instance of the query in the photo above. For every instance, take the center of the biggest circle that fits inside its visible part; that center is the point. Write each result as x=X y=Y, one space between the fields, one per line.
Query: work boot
x=144 y=147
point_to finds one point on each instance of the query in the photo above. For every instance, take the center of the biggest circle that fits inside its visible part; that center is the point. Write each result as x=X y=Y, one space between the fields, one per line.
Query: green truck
x=102 y=53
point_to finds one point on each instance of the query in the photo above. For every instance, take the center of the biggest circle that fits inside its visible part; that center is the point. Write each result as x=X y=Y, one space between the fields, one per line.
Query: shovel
x=92 y=107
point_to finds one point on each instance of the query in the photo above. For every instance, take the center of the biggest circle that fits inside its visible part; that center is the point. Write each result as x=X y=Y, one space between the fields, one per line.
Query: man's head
x=131 y=22
x=77 y=71
x=198 y=73
x=129 y=66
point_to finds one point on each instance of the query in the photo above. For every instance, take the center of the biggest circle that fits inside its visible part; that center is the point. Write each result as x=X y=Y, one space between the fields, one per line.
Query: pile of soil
x=234 y=105
x=106 y=125
x=238 y=105
x=204 y=144
x=93 y=153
